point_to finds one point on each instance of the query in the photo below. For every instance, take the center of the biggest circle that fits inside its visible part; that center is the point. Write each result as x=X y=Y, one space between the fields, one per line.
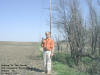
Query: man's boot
x=49 y=72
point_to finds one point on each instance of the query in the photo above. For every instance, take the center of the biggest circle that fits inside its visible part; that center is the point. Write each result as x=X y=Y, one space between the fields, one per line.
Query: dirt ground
x=17 y=58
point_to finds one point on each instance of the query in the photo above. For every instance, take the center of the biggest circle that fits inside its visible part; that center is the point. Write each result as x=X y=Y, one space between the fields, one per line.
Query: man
x=48 y=49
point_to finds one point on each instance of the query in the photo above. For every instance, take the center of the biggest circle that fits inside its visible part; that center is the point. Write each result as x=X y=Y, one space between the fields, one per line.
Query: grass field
x=28 y=56
x=64 y=69
x=23 y=54
x=63 y=64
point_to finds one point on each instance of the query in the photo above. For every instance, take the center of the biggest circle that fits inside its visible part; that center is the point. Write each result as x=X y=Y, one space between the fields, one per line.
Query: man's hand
x=45 y=48
x=51 y=54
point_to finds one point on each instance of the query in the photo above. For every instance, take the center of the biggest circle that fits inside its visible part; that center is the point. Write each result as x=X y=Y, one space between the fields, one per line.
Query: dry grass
x=25 y=53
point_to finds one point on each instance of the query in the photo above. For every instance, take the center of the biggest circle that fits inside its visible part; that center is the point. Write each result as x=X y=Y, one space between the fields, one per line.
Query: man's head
x=47 y=34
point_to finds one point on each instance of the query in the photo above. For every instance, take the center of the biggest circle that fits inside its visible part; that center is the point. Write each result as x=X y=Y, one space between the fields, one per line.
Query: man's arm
x=42 y=43
x=52 y=48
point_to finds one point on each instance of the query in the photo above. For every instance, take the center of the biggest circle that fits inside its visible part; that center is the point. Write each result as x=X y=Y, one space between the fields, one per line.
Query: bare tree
x=58 y=42
x=69 y=20
x=95 y=26
x=95 y=38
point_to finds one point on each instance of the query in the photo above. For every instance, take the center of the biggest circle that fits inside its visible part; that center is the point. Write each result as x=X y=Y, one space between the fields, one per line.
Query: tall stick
x=50 y=17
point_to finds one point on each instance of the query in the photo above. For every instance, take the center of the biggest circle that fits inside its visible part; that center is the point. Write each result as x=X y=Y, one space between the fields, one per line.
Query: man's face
x=47 y=35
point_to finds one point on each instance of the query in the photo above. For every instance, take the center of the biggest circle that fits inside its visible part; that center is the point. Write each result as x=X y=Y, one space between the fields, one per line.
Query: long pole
x=50 y=17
